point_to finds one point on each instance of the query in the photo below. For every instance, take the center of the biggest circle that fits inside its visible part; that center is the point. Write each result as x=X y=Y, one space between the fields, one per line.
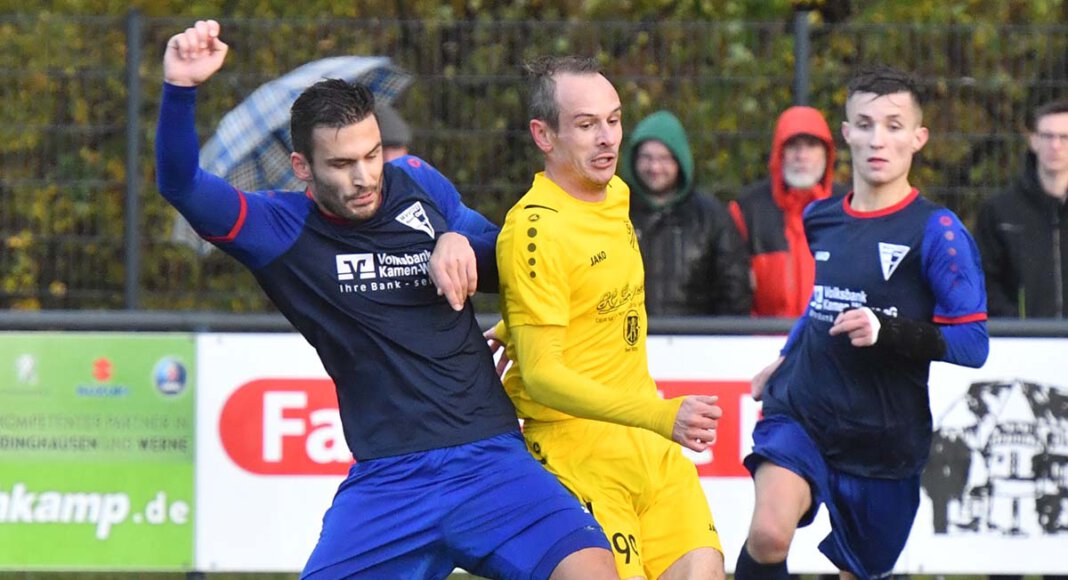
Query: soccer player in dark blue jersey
x=847 y=421
x=372 y=264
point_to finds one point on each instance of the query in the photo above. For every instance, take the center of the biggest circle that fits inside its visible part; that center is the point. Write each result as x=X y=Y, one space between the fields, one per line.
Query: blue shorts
x=870 y=518
x=487 y=507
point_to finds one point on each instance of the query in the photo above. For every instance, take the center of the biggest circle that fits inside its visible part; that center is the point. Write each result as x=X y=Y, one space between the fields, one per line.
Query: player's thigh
x=789 y=474
x=587 y=564
x=782 y=498
x=534 y=539
x=600 y=465
x=515 y=519
x=371 y=523
x=622 y=528
x=423 y=564
x=677 y=521
x=870 y=521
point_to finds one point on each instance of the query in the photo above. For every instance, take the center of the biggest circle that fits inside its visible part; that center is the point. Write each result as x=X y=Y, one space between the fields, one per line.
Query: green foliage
x=725 y=67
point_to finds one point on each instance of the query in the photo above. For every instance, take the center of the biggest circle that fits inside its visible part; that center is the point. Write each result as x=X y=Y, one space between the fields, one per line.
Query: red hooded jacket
x=768 y=216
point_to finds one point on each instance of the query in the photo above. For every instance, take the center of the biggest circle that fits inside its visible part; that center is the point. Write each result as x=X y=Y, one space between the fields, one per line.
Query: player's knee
x=768 y=543
x=700 y=563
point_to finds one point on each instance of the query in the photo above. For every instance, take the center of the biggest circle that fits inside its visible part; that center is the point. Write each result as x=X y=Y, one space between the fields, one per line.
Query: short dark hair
x=542 y=86
x=1057 y=107
x=881 y=79
x=331 y=103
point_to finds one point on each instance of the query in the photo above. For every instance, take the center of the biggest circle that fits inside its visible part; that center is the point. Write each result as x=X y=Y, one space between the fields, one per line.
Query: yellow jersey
x=576 y=264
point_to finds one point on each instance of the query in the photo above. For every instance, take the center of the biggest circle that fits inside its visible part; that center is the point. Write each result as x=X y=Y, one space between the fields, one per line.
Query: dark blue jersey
x=411 y=373
x=867 y=408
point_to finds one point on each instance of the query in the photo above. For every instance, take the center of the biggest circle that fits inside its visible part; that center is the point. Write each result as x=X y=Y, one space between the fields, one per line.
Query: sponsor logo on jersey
x=355 y=266
x=415 y=217
x=375 y=272
x=890 y=256
x=632 y=236
x=632 y=328
x=835 y=299
x=613 y=300
x=598 y=258
x=828 y=301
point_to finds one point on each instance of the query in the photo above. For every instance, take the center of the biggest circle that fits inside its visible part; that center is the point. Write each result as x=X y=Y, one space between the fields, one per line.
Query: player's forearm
x=912 y=339
x=967 y=344
x=210 y=204
x=552 y=383
x=177 y=147
x=482 y=235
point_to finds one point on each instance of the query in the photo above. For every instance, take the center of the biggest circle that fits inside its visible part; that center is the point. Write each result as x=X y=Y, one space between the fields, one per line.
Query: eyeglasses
x=1051 y=137
x=654 y=159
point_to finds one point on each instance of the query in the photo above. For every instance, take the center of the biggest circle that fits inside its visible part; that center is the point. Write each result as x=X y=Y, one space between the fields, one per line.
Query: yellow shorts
x=638 y=485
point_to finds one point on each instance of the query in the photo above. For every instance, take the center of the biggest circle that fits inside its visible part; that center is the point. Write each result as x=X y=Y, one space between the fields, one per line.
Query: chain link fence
x=71 y=151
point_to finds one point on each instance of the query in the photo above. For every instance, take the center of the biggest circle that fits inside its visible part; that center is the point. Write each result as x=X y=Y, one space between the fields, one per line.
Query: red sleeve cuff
x=977 y=317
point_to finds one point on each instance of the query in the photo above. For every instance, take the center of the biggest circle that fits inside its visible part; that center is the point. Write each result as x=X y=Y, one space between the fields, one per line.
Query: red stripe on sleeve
x=960 y=319
x=241 y=215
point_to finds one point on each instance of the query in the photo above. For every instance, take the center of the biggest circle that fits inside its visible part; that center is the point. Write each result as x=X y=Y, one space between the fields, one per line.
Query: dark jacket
x=768 y=216
x=1023 y=238
x=694 y=262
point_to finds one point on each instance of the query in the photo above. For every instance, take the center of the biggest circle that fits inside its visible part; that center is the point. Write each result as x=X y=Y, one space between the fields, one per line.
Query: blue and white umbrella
x=251 y=147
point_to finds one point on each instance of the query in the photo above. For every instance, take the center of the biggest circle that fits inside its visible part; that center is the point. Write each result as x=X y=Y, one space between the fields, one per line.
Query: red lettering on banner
x=285 y=427
x=292 y=427
x=734 y=436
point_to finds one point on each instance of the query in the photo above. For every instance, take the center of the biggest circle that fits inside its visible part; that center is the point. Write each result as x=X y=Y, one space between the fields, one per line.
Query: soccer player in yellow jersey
x=573 y=299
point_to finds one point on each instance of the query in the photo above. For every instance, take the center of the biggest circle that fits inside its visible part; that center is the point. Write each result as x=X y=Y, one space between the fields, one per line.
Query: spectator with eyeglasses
x=1023 y=232
x=694 y=259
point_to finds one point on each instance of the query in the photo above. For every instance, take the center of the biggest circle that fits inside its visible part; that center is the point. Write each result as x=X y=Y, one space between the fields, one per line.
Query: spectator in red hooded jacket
x=768 y=212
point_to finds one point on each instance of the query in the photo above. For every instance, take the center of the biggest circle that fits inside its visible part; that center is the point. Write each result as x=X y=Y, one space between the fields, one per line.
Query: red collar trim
x=879 y=212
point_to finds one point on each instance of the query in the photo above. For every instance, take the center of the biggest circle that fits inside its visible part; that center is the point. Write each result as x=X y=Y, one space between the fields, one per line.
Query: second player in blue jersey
x=847 y=421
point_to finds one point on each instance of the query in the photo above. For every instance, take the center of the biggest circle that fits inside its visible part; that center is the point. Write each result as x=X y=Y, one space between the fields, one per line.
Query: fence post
x=802 y=51
x=132 y=221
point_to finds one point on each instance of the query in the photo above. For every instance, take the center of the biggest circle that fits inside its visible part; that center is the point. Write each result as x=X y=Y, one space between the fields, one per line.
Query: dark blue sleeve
x=253 y=227
x=481 y=232
x=209 y=203
x=955 y=277
x=967 y=344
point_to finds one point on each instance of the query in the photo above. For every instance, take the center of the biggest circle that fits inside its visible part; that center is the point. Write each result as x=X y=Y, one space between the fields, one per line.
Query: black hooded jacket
x=1023 y=238
x=695 y=263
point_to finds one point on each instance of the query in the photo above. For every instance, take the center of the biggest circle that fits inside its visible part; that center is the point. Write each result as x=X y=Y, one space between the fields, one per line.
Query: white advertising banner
x=268 y=430
x=271 y=453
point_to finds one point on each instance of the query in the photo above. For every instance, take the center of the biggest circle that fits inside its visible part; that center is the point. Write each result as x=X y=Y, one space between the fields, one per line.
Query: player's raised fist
x=194 y=55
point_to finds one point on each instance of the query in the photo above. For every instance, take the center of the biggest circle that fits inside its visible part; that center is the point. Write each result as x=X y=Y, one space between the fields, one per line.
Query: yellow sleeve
x=535 y=288
x=501 y=330
x=548 y=381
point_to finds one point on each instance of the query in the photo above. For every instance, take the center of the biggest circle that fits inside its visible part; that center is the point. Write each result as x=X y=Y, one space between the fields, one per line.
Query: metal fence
x=83 y=226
